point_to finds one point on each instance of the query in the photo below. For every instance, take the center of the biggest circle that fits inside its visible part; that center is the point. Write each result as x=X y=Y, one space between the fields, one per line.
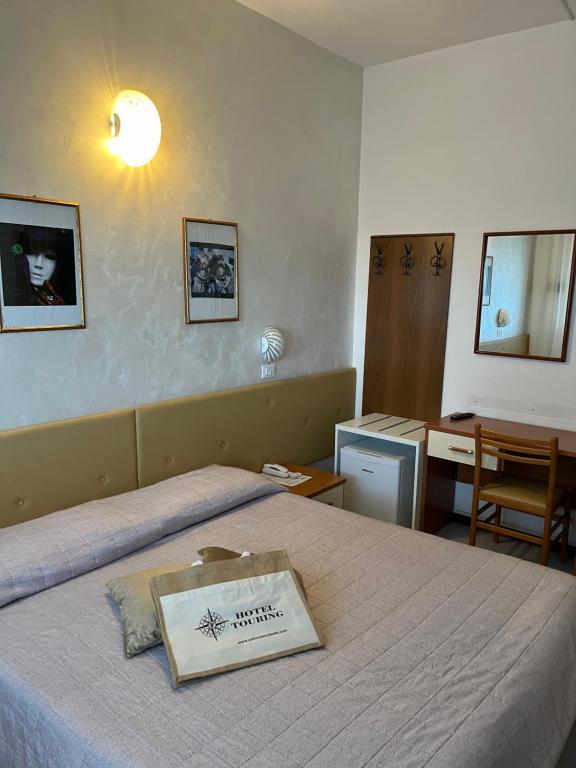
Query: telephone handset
x=277 y=470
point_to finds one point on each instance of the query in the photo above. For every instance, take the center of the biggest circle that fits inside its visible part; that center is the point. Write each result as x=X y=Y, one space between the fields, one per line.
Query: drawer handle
x=456 y=449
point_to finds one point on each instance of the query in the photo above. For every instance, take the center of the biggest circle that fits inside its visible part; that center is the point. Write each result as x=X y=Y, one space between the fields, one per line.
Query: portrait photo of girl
x=40 y=265
x=37 y=265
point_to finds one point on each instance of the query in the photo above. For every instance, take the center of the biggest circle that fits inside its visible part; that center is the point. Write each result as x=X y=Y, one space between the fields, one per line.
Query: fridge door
x=372 y=483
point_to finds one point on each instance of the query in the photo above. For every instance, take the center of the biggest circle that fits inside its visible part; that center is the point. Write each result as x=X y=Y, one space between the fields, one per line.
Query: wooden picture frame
x=210 y=252
x=41 y=281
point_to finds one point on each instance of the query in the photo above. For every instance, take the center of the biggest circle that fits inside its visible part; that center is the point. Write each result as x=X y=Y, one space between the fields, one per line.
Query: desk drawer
x=444 y=445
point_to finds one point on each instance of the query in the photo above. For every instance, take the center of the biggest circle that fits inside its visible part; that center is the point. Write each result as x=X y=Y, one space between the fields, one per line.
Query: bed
x=436 y=654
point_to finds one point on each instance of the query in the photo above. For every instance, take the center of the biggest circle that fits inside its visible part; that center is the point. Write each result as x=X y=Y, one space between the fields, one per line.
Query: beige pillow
x=137 y=609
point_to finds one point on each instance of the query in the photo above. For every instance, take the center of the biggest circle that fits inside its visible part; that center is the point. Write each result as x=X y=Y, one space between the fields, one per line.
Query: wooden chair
x=533 y=497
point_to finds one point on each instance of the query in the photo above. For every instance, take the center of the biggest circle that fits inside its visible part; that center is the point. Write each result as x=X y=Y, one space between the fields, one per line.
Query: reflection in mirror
x=526 y=290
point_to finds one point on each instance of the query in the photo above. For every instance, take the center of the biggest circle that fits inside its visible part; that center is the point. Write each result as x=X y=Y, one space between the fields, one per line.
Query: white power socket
x=268 y=371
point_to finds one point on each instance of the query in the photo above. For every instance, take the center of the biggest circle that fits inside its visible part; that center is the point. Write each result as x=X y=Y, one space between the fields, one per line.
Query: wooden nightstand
x=324 y=487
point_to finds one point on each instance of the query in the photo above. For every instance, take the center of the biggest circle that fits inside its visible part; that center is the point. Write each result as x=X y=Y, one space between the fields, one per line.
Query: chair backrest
x=520 y=450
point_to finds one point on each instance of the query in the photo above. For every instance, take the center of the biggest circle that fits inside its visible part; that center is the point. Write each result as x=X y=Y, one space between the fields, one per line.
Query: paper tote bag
x=230 y=614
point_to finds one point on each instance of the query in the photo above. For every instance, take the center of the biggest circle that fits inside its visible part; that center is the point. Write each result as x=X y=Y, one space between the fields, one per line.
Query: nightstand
x=324 y=487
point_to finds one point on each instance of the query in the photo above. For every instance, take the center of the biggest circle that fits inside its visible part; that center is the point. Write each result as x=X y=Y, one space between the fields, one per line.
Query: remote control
x=459 y=416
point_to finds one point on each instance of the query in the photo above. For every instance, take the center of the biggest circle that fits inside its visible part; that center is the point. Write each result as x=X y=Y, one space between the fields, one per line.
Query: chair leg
x=498 y=518
x=546 y=540
x=473 y=518
x=565 y=531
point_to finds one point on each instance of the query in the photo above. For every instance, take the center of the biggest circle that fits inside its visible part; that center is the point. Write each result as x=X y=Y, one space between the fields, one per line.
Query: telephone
x=277 y=470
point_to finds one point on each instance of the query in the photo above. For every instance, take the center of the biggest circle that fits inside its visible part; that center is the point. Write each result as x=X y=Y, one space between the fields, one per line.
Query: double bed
x=436 y=654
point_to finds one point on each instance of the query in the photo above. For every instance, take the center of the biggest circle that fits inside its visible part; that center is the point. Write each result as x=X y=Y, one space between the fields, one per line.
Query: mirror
x=525 y=297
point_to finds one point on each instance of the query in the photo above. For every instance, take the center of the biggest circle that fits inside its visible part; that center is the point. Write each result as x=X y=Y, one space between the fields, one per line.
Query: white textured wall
x=260 y=127
x=475 y=138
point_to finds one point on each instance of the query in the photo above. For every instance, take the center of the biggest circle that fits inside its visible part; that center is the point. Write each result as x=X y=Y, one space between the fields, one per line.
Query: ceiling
x=374 y=31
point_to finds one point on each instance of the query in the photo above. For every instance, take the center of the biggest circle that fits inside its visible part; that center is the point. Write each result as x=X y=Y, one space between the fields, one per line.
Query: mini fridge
x=377 y=484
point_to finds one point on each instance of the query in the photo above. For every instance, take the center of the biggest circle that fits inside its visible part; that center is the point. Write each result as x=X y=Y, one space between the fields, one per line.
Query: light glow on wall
x=136 y=128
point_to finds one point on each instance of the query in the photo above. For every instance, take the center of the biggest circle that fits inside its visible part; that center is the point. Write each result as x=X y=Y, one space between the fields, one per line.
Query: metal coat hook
x=407 y=261
x=378 y=260
x=438 y=262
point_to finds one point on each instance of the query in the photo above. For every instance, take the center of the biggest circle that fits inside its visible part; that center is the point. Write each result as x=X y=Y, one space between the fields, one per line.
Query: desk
x=449 y=457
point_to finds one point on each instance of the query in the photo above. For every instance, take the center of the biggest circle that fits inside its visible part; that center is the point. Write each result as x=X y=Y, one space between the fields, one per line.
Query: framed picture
x=487 y=281
x=40 y=265
x=210 y=270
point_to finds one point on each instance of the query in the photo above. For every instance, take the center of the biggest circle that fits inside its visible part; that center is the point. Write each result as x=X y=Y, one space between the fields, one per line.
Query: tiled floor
x=459 y=532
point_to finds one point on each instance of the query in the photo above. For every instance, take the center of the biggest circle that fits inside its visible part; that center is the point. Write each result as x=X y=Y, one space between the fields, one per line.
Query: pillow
x=137 y=610
x=40 y=553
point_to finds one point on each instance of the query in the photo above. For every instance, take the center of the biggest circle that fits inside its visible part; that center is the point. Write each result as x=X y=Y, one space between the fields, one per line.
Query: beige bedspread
x=437 y=655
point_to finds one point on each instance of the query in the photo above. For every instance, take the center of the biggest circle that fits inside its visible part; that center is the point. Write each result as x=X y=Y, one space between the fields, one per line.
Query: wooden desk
x=449 y=457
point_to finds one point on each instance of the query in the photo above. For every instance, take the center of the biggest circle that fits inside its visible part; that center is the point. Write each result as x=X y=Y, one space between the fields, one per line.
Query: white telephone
x=277 y=470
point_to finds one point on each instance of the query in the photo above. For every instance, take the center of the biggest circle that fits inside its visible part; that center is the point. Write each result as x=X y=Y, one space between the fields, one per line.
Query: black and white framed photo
x=210 y=270
x=40 y=265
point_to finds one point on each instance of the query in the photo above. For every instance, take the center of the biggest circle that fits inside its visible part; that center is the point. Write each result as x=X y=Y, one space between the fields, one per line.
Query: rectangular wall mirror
x=525 y=296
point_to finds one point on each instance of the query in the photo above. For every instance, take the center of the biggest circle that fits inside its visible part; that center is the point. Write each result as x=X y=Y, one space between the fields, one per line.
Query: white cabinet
x=392 y=435
x=377 y=484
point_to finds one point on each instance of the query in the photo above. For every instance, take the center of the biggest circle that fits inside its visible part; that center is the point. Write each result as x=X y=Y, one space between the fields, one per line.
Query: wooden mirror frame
x=562 y=357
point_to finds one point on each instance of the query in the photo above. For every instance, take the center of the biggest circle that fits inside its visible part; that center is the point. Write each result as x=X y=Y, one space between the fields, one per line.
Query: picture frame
x=487 y=281
x=210 y=250
x=41 y=280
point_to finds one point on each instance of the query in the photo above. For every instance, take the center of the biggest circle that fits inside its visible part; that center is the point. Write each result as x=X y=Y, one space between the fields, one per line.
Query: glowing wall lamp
x=136 y=128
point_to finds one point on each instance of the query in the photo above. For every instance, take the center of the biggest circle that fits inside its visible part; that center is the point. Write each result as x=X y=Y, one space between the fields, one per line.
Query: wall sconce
x=271 y=349
x=136 y=128
x=503 y=318
x=271 y=345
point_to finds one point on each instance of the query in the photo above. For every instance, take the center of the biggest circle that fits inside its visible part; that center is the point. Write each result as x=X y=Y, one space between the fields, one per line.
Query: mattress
x=437 y=654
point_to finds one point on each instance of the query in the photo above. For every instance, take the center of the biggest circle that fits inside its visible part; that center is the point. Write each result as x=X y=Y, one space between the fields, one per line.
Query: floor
x=459 y=532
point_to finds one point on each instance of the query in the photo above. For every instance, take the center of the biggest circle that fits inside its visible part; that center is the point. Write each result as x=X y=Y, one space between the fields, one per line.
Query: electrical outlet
x=268 y=371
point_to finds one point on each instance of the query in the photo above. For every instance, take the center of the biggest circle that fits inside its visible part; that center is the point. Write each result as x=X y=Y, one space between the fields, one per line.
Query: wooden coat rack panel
x=408 y=296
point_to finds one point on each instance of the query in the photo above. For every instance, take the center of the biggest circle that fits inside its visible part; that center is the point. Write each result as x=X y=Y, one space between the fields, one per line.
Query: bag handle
x=246 y=553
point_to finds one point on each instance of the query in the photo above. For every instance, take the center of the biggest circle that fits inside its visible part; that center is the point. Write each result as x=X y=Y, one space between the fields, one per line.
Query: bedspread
x=437 y=654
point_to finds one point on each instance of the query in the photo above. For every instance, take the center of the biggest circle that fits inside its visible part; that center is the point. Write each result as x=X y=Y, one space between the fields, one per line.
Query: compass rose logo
x=212 y=624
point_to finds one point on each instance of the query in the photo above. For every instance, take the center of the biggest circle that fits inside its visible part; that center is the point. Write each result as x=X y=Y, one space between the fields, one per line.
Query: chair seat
x=513 y=491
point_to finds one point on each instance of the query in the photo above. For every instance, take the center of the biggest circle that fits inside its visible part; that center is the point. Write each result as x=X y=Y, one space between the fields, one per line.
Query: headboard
x=57 y=465
x=54 y=466
x=285 y=421
x=512 y=345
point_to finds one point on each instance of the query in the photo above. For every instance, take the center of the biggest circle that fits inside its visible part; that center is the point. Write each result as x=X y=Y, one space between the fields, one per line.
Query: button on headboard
x=284 y=421
x=53 y=466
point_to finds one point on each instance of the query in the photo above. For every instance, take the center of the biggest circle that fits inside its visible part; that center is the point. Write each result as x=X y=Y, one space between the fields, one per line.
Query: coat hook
x=378 y=260
x=438 y=262
x=407 y=261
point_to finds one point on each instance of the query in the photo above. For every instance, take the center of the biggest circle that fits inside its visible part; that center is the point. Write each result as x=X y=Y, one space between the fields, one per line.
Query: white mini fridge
x=377 y=484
